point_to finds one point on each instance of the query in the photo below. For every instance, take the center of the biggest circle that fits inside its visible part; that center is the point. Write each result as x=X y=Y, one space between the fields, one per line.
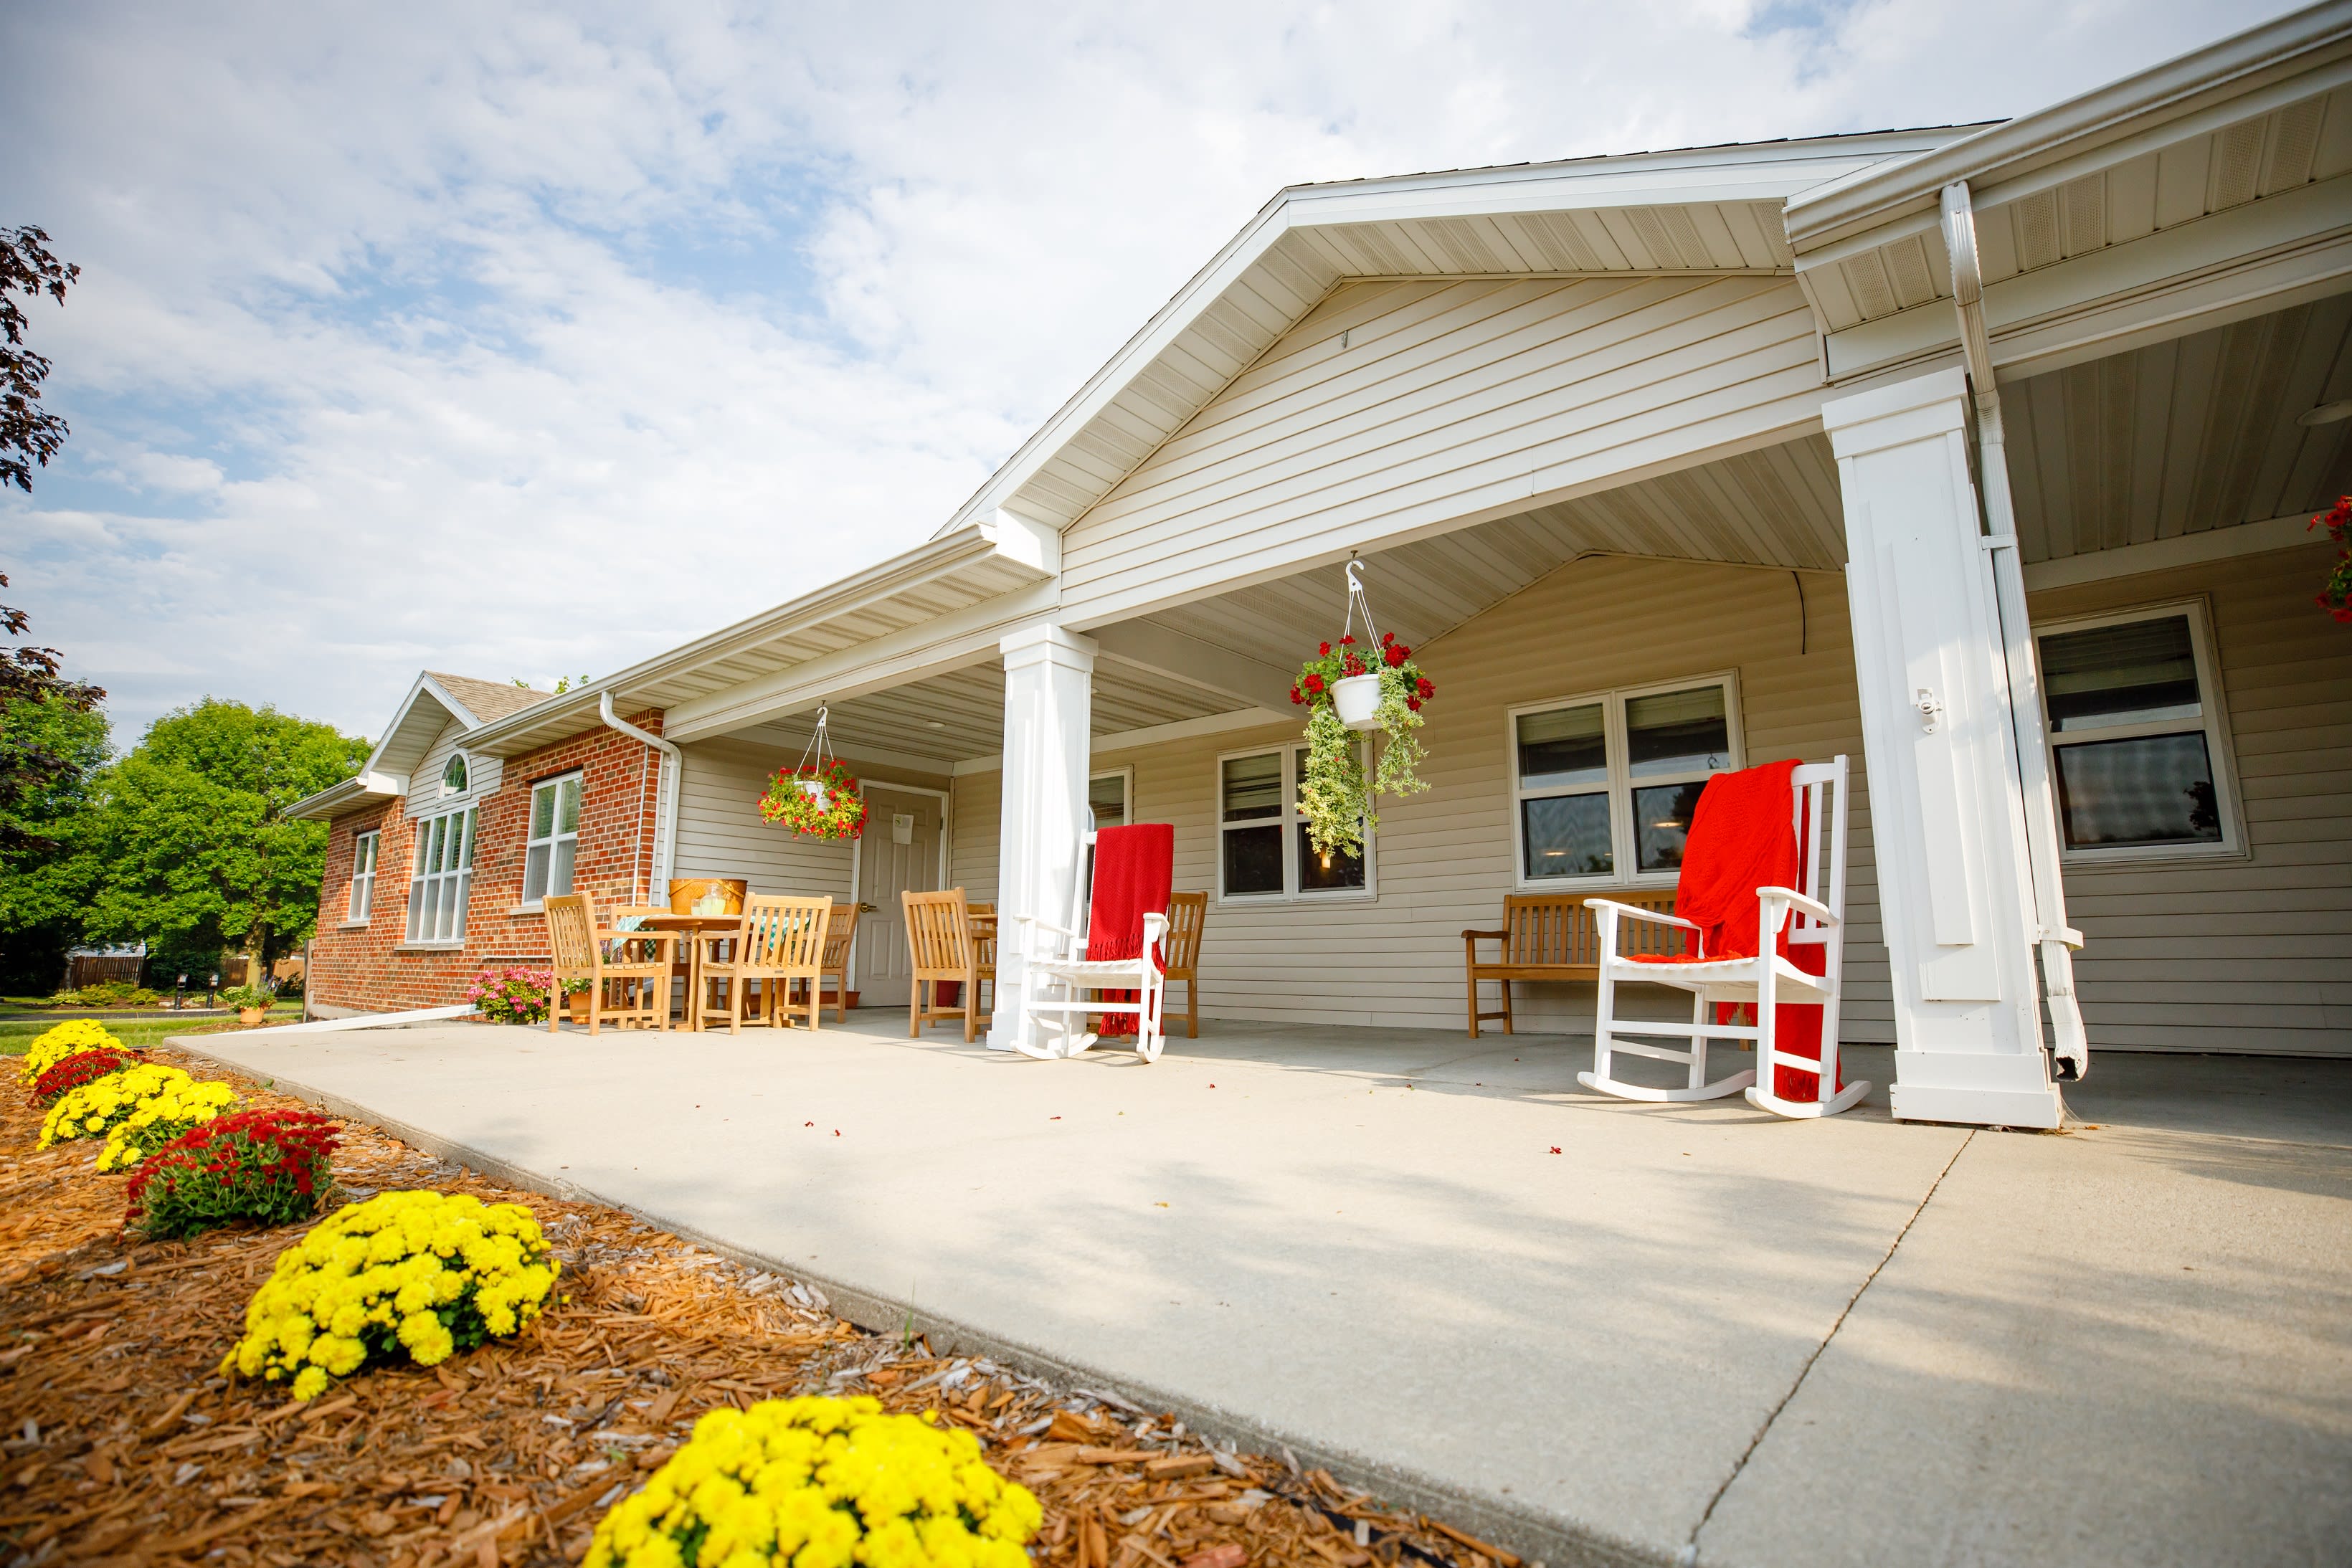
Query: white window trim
x=1622 y=842
x=2215 y=723
x=1126 y=776
x=1289 y=821
x=360 y=908
x=529 y=905
x=422 y=884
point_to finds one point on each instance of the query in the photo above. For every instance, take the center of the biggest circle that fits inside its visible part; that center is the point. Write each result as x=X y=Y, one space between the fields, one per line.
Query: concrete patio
x=1598 y=1332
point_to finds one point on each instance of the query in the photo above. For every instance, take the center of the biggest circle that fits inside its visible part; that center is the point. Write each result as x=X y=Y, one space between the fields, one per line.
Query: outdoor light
x=2326 y=413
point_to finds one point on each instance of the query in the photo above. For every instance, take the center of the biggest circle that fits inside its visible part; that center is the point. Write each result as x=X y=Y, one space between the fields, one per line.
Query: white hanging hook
x=1357 y=601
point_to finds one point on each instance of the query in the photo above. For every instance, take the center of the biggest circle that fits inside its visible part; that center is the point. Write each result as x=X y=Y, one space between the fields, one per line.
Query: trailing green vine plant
x=1336 y=794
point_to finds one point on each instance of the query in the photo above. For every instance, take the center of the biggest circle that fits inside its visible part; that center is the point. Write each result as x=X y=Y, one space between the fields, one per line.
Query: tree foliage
x=29 y=433
x=186 y=840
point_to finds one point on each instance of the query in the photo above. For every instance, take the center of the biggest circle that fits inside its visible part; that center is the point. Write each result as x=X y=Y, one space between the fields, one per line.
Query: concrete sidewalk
x=1601 y=1331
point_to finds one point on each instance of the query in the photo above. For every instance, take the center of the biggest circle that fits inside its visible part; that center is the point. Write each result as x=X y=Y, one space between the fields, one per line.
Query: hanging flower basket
x=2335 y=594
x=820 y=799
x=1350 y=686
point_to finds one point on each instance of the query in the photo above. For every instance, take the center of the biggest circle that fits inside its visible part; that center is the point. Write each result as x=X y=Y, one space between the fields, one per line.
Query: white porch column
x=1946 y=817
x=1048 y=714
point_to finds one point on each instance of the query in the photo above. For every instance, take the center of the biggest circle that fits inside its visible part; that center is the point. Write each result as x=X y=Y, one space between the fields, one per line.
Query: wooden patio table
x=692 y=927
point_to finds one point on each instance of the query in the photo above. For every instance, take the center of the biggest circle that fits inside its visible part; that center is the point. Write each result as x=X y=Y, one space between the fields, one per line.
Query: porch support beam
x=1188 y=661
x=1048 y=713
x=1947 y=820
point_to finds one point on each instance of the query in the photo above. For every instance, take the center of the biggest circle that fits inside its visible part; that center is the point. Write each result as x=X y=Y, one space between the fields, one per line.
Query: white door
x=900 y=853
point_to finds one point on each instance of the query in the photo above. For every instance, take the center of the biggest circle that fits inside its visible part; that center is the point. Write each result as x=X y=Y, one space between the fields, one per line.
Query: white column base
x=1975 y=1088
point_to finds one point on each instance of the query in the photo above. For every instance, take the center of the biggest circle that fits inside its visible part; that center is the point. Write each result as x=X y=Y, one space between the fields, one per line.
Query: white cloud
x=510 y=341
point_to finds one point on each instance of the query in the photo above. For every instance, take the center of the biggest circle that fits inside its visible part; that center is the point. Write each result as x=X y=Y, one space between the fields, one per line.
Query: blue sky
x=515 y=340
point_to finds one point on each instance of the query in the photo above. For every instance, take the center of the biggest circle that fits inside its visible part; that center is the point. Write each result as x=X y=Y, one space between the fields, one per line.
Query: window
x=554 y=838
x=2137 y=735
x=453 y=776
x=442 y=876
x=1603 y=786
x=1261 y=843
x=1106 y=798
x=363 y=848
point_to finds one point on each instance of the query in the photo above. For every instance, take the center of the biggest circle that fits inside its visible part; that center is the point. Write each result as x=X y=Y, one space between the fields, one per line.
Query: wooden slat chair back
x=1546 y=937
x=628 y=973
x=941 y=948
x=779 y=943
x=1753 y=987
x=839 y=933
x=1188 y=916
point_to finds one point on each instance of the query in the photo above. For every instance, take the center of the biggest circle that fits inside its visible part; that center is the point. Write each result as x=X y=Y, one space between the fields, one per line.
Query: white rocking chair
x=1056 y=981
x=1817 y=916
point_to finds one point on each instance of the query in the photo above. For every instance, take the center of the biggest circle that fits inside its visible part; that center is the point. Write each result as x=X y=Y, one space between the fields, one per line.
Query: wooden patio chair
x=628 y=972
x=1188 y=916
x=941 y=949
x=779 y=941
x=840 y=931
x=1734 y=986
x=1546 y=937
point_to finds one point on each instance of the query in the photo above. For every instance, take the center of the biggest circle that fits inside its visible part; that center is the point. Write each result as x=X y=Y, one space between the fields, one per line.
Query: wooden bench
x=1553 y=936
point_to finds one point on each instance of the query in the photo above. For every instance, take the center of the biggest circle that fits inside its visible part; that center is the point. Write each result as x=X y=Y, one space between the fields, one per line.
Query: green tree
x=186 y=840
x=50 y=746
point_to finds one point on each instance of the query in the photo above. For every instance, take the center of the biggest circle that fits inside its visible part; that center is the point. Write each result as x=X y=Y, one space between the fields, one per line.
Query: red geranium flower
x=1422 y=688
x=1314 y=684
x=1294 y=697
x=1387 y=638
x=1395 y=655
x=1414 y=703
x=1345 y=641
x=1324 y=651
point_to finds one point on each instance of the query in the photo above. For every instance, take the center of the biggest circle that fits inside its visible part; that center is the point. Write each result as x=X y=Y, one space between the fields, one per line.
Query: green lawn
x=17 y=1034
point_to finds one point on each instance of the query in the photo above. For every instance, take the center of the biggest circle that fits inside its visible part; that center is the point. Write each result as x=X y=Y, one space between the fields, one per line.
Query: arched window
x=452 y=777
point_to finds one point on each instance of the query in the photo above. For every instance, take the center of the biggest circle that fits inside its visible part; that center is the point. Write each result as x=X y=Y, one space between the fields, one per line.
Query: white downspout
x=2057 y=940
x=665 y=798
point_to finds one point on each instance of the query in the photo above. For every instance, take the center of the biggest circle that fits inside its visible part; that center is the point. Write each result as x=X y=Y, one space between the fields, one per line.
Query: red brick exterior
x=367 y=968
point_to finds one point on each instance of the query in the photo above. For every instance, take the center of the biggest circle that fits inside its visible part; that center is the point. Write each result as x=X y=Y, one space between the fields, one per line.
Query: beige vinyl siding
x=721 y=833
x=1444 y=858
x=1445 y=401
x=2246 y=954
x=975 y=829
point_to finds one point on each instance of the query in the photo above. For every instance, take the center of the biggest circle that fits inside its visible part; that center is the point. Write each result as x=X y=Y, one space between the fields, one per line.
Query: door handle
x=869 y=909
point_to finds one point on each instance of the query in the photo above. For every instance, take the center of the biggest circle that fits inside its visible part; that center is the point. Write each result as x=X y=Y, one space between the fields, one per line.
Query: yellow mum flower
x=822 y=1483
x=55 y=1044
x=388 y=1278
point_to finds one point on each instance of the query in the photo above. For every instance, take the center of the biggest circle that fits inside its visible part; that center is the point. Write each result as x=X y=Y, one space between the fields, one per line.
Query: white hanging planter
x=814 y=790
x=1358 y=698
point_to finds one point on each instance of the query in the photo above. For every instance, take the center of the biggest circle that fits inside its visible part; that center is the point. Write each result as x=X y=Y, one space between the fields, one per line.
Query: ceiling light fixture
x=2326 y=413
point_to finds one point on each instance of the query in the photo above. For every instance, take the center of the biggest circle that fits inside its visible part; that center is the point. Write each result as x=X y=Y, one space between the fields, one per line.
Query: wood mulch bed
x=122 y=1447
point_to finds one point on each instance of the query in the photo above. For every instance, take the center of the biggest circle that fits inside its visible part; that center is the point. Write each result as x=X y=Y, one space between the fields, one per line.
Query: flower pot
x=249 y=1016
x=576 y=1004
x=814 y=790
x=1358 y=698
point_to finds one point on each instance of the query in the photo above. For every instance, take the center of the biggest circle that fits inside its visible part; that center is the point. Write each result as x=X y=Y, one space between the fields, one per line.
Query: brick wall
x=369 y=968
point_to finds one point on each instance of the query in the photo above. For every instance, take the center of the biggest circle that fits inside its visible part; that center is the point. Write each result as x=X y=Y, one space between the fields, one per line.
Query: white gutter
x=2056 y=939
x=665 y=798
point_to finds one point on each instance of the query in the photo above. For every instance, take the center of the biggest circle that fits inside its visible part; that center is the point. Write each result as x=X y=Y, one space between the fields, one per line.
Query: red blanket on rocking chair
x=1743 y=836
x=1135 y=875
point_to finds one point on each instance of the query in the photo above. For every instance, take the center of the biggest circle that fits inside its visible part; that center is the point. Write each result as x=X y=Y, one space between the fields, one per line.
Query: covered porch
x=1594 y=1332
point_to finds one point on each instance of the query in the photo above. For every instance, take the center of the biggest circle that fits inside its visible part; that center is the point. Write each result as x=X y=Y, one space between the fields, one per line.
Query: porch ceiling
x=1778 y=506
x=2182 y=436
x=958 y=716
